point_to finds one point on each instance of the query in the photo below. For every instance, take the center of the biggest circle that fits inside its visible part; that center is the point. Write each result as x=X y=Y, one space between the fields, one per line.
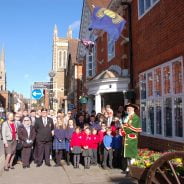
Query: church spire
x=2 y=60
x=2 y=71
x=55 y=31
x=69 y=33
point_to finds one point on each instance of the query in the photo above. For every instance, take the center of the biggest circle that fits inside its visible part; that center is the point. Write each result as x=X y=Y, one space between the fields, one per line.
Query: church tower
x=59 y=64
x=2 y=71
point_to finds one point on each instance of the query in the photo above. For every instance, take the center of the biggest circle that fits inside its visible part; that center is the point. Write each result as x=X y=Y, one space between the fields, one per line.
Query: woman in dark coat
x=59 y=140
x=69 y=131
x=26 y=134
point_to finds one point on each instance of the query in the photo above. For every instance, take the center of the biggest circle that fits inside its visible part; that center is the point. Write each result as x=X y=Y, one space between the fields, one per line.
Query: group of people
x=104 y=138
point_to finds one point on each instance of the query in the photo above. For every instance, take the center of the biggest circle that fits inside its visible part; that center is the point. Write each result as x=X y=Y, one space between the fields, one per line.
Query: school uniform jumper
x=87 y=153
x=95 y=142
x=59 y=144
x=107 y=140
x=75 y=144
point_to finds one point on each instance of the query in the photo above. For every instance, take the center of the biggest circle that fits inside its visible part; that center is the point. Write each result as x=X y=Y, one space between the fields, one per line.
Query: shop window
x=158 y=118
x=143 y=116
x=143 y=86
x=150 y=117
x=168 y=117
x=177 y=77
x=158 y=82
x=178 y=117
x=166 y=80
x=161 y=100
x=150 y=84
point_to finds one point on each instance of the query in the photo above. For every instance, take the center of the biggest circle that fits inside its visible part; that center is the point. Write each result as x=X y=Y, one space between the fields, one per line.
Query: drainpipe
x=130 y=43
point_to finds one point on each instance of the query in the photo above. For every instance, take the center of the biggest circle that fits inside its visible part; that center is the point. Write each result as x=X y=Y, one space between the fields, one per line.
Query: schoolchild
x=75 y=146
x=108 y=151
x=95 y=142
x=117 y=147
x=87 y=145
x=101 y=134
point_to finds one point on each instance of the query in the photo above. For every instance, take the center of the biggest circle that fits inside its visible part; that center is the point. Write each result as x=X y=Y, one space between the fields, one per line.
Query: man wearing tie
x=44 y=126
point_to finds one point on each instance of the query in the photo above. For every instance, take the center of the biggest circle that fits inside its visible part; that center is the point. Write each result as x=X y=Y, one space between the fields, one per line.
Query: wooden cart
x=163 y=170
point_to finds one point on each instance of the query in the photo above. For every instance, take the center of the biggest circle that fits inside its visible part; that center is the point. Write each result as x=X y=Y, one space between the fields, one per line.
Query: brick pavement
x=65 y=174
x=1 y=155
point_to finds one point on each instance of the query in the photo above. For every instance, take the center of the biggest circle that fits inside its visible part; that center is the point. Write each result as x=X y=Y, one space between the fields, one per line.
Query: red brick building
x=148 y=60
x=158 y=50
x=105 y=66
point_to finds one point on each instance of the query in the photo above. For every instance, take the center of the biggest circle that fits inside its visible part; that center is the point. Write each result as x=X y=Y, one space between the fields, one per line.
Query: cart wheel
x=164 y=170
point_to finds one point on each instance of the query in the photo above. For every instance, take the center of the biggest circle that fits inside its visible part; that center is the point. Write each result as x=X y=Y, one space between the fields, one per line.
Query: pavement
x=65 y=174
x=1 y=155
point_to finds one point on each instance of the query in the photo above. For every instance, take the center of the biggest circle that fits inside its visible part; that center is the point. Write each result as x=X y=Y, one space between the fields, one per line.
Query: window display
x=178 y=117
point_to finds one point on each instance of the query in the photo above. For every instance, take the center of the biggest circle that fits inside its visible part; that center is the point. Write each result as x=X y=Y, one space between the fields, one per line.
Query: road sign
x=41 y=85
x=71 y=106
x=37 y=94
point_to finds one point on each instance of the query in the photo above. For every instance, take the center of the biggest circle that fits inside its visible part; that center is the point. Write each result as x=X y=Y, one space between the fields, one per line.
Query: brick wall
x=159 y=144
x=158 y=36
x=120 y=50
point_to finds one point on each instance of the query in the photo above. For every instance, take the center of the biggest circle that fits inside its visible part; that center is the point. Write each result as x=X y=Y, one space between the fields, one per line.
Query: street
x=65 y=174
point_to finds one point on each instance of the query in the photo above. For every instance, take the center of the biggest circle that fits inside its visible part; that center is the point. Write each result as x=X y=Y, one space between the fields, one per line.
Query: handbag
x=19 y=145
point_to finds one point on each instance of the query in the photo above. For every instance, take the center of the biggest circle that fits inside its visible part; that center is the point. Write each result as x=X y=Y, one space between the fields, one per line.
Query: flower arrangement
x=146 y=158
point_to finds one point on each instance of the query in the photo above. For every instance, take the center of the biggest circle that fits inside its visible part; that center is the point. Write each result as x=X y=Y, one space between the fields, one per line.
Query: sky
x=26 y=30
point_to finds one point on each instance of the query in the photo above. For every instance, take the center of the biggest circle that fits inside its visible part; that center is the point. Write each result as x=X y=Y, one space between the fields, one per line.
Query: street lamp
x=52 y=74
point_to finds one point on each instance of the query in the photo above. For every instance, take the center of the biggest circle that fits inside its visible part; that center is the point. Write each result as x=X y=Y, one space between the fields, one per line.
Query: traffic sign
x=37 y=94
x=71 y=106
x=41 y=85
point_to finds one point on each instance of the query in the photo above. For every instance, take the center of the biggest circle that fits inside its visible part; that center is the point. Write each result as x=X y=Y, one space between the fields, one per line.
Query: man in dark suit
x=44 y=126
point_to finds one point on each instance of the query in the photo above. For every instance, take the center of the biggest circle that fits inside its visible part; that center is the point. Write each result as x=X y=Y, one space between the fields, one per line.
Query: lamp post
x=51 y=75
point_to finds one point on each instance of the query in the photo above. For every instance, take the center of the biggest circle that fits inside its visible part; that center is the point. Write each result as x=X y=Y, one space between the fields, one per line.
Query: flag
x=108 y=21
x=87 y=43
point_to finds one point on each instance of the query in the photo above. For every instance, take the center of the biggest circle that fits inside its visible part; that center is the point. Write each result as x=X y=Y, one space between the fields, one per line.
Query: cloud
x=75 y=25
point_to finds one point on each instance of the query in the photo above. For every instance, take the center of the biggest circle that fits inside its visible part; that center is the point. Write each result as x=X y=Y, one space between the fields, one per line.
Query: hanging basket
x=83 y=100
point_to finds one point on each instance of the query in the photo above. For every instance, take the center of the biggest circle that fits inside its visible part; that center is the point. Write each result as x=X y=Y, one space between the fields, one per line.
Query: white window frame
x=145 y=10
x=172 y=95
x=110 y=44
x=87 y=64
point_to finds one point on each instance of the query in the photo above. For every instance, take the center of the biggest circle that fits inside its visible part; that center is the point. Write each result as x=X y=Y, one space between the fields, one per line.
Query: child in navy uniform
x=117 y=147
x=108 y=151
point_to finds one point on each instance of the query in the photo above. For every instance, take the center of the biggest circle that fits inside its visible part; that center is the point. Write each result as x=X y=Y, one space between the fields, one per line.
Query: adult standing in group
x=10 y=137
x=33 y=117
x=131 y=127
x=44 y=126
x=26 y=134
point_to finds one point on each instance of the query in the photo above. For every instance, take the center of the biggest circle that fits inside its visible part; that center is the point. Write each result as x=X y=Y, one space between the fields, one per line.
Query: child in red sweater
x=87 y=145
x=101 y=134
x=95 y=141
x=75 y=144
